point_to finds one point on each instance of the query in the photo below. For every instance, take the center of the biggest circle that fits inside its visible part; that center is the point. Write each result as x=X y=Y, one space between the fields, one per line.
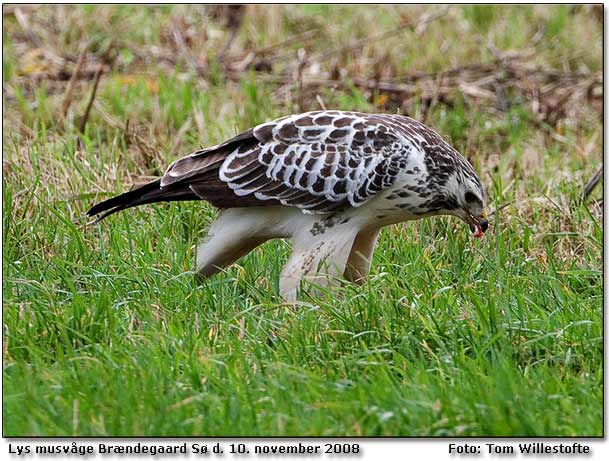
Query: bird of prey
x=328 y=180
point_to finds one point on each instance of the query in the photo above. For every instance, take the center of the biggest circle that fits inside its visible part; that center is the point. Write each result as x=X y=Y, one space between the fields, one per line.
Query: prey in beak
x=478 y=225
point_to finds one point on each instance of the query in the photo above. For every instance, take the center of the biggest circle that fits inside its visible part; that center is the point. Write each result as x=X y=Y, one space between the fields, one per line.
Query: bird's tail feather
x=148 y=193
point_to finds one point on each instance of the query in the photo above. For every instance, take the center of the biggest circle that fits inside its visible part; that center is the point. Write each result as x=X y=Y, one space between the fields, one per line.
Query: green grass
x=106 y=332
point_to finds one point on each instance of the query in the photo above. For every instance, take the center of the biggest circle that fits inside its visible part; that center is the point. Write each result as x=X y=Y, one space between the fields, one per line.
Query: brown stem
x=85 y=117
x=67 y=99
x=592 y=184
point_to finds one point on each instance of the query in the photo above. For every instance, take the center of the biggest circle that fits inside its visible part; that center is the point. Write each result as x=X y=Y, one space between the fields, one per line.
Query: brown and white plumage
x=327 y=179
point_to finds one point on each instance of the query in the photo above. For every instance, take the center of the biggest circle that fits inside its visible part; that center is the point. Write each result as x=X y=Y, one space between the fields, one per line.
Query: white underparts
x=321 y=245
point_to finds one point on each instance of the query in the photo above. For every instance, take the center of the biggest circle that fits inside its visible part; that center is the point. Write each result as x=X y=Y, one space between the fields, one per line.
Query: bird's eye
x=470 y=197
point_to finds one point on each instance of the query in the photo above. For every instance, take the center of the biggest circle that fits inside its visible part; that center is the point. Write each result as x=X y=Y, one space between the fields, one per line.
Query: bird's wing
x=317 y=161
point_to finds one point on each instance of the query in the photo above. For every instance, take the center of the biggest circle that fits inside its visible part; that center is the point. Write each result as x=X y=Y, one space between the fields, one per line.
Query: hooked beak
x=478 y=225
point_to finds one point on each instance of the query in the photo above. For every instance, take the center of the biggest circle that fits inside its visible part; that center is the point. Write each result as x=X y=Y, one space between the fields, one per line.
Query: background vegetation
x=105 y=330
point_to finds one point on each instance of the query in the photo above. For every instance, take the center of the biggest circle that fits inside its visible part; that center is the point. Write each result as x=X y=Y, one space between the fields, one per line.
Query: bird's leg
x=211 y=261
x=317 y=258
x=289 y=279
x=233 y=235
x=360 y=257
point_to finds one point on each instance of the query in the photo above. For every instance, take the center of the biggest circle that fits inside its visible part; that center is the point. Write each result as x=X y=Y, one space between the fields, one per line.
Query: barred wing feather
x=317 y=161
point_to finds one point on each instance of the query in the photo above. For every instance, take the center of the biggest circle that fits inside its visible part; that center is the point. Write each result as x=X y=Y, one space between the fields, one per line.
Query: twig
x=110 y=120
x=178 y=137
x=499 y=208
x=304 y=36
x=302 y=62
x=10 y=9
x=85 y=117
x=67 y=99
x=25 y=26
x=234 y=19
x=179 y=41
x=592 y=184
x=367 y=40
x=360 y=83
x=243 y=60
x=233 y=35
x=553 y=202
x=320 y=101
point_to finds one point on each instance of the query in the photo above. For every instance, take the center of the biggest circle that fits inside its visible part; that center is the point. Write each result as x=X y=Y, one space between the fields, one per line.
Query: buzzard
x=329 y=180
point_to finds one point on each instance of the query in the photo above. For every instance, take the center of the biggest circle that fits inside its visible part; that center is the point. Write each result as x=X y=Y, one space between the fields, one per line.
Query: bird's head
x=455 y=187
x=469 y=200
